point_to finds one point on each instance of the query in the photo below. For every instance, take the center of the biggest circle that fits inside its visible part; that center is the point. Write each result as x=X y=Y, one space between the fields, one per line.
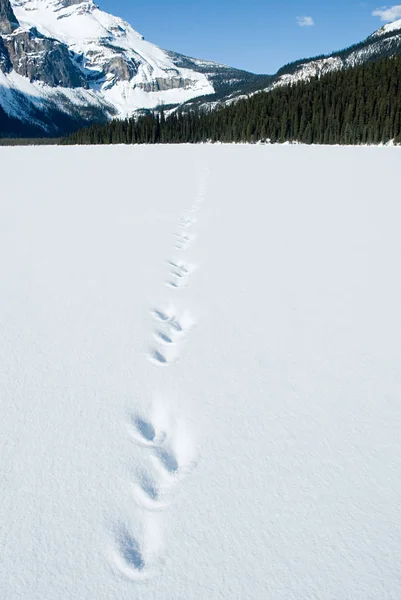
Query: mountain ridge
x=382 y=43
x=67 y=63
x=100 y=66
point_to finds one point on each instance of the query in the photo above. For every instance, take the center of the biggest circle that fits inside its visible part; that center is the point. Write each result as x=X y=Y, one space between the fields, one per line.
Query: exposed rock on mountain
x=42 y=59
x=8 y=21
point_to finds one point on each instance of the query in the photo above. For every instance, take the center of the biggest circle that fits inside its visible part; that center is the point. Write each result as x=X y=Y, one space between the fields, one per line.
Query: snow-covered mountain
x=388 y=28
x=67 y=61
x=384 y=42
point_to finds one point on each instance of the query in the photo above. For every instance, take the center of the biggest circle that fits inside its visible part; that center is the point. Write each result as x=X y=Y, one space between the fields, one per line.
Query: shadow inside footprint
x=176 y=326
x=150 y=491
x=164 y=338
x=131 y=551
x=168 y=460
x=149 y=487
x=160 y=315
x=158 y=357
x=145 y=428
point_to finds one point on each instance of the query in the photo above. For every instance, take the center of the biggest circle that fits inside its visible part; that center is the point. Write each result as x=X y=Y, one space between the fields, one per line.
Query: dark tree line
x=361 y=105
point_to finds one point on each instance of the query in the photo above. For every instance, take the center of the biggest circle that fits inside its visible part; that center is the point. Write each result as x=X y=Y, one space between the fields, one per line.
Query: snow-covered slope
x=111 y=68
x=388 y=28
x=129 y=72
x=200 y=379
x=384 y=42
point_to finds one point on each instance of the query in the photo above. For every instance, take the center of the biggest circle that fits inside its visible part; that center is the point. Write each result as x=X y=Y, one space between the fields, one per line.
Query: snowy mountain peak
x=51 y=4
x=117 y=63
x=68 y=20
x=71 y=58
x=388 y=28
x=384 y=42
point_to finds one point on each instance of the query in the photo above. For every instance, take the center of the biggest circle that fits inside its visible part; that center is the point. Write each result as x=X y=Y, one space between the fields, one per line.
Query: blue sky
x=256 y=35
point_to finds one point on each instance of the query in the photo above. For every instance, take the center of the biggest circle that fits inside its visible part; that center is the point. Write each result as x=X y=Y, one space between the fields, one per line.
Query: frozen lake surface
x=200 y=373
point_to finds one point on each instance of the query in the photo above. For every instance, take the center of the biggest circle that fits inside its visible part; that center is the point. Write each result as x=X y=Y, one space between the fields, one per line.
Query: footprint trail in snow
x=165 y=439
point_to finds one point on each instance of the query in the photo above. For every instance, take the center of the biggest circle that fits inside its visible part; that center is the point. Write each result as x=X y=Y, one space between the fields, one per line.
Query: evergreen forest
x=360 y=105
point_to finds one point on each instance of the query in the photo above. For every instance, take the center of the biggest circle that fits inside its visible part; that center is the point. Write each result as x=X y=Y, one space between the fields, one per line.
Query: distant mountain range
x=66 y=63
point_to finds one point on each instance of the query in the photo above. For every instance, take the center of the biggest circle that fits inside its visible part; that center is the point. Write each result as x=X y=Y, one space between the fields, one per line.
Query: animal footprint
x=183 y=240
x=181 y=324
x=163 y=338
x=168 y=460
x=186 y=222
x=181 y=267
x=137 y=558
x=130 y=551
x=162 y=315
x=177 y=280
x=148 y=495
x=175 y=457
x=175 y=324
x=163 y=356
x=145 y=433
x=171 y=445
x=179 y=274
x=129 y=557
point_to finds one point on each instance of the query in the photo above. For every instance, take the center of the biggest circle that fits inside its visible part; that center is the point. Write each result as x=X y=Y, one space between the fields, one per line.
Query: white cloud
x=305 y=21
x=388 y=13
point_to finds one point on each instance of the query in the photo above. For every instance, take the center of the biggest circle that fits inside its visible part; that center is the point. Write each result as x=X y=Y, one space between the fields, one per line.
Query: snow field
x=171 y=448
x=200 y=373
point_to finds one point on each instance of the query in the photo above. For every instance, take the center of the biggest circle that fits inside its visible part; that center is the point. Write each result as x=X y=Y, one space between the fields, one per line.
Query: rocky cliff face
x=8 y=20
x=41 y=59
x=33 y=55
x=5 y=62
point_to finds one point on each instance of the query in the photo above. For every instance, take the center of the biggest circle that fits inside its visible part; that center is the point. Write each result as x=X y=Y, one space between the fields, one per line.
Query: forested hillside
x=361 y=105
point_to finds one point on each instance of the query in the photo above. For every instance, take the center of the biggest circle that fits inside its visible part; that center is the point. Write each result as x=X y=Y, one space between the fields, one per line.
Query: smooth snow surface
x=200 y=373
